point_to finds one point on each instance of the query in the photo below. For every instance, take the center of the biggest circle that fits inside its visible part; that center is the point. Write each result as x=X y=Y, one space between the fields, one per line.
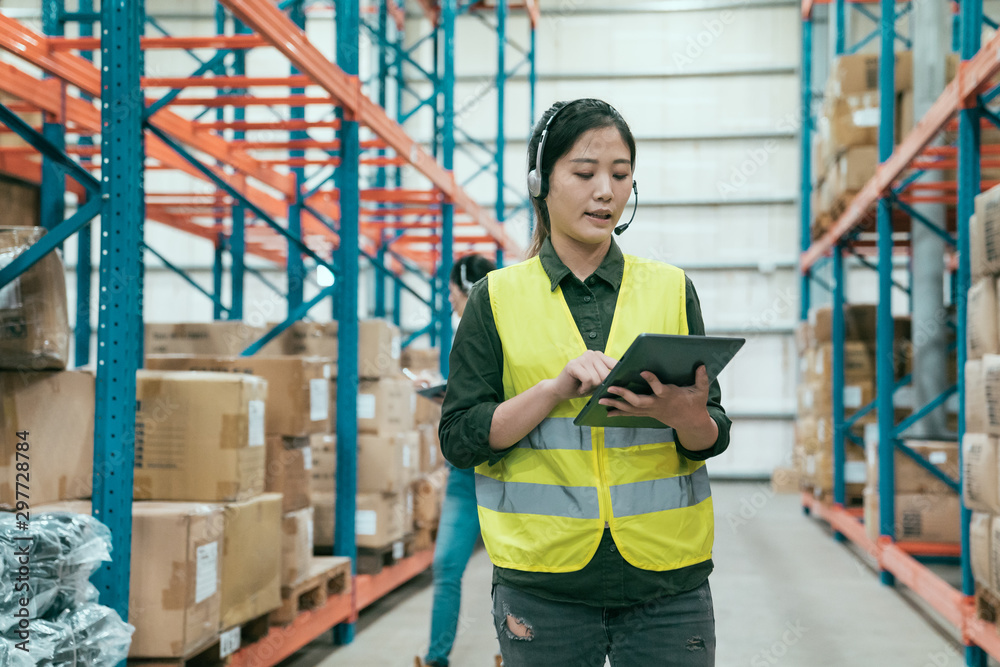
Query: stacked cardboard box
x=22 y=201
x=201 y=436
x=845 y=148
x=227 y=338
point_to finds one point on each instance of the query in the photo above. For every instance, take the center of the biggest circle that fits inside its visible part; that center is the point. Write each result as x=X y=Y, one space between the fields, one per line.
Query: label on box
x=406 y=456
x=811 y=465
x=821 y=430
x=366 y=406
x=365 y=522
x=866 y=117
x=432 y=457
x=206 y=571
x=319 y=399
x=852 y=397
x=307 y=457
x=818 y=368
x=804 y=365
x=309 y=532
x=938 y=458
x=855 y=472
x=229 y=642
x=255 y=414
x=398 y=550
x=807 y=398
x=871 y=437
x=396 y=348
x=327 y=372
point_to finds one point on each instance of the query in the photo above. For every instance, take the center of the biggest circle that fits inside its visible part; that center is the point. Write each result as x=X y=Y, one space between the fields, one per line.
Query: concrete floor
x=785 y=594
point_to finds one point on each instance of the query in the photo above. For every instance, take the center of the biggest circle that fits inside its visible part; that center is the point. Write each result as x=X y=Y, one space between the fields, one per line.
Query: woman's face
x=457 y=298
x=589 y=186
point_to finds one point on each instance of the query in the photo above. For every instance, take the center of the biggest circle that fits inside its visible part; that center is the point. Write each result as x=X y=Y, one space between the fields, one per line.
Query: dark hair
x=469 y=270
x=575 y=118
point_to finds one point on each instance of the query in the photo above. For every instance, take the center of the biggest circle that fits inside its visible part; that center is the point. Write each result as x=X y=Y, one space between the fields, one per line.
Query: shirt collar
x=610 y=270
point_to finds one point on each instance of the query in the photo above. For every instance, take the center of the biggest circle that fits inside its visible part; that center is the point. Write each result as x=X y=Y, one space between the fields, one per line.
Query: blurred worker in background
x=458 y=529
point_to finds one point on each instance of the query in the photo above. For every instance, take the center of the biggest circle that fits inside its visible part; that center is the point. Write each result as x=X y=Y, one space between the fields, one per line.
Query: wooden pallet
x=215 y=653
x=328 y=575
x=372 y=560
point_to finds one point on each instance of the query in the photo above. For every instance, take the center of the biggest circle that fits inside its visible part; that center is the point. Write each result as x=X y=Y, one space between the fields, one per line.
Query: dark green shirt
x=475 y=389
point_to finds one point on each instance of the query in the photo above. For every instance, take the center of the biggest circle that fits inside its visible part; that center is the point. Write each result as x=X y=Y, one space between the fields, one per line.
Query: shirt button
x=586 y=299
x=614 y=549
x=593 y=335
x=590 y=281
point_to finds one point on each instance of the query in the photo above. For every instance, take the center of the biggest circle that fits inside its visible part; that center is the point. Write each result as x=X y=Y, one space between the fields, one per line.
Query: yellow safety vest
x=544 y=506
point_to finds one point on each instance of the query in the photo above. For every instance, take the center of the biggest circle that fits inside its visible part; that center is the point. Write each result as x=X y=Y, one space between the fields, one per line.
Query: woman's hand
x=582 y=375
x=682 y=408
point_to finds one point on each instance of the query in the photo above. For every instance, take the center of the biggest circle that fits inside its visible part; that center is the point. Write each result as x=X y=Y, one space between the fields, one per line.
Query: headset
x=538 y=186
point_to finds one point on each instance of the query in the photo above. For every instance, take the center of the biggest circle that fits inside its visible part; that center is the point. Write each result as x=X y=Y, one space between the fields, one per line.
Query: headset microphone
x=621 y=228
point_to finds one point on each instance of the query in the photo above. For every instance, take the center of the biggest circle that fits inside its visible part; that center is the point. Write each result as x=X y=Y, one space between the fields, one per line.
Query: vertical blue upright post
x=119 y=323
x=237 y=241
x=840 y=26
x=84 y=239
x=348 y=26
x=218 y=262
x=805 y=186
x=501 y=208
x=53 y=190
x=449 y=9
x=397 y=290
x=294 y=266
x=380 y=176
x=839 y=455
x=885 y=379
x=968 y=188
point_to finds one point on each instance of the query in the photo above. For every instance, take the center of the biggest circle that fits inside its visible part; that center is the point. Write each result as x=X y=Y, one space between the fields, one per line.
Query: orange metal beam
x=210 y=42
x=398 y=14
x=248 y=101
x=282 y=642
x=266 y=19
x=372 y=587
x=972 y=75
x=249 y=126
x=225 y=82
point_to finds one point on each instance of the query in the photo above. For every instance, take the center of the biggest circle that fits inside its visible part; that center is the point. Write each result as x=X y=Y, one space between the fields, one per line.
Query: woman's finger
x=654 y=382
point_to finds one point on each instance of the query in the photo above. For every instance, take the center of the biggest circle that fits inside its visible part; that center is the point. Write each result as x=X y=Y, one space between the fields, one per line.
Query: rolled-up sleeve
x=475 y=385
x=696 y=327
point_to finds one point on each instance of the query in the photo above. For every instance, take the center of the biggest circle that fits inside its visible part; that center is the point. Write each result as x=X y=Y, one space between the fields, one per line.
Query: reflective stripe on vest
x=543 y=507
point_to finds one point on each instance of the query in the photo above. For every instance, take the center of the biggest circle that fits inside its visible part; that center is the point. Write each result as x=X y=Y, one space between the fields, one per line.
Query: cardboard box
x=199 y=436
x=324 y=462
x=379 y=349
x=911 y=477
x=975 y=397
x=296 y=545
x=980 y=549
x=251 y=559
x=386 y=406
x=819 y=470
x=56 y=408
x=225 y=338
x=855 y=168
x=34 y=321
x=857 y=73
x=785 y=480
x=991 y=393
x=982 y=319
x=984 y=234
x=324 y=513
x=428 y=495
x=994 y=556
x=289 y=471
x=427 y=412
x=305 y=339
x=859 y=363
x=382 y=519
x=431 y=457
x=860 y=322
x=176 y=583
x=388 y=463
x=919 y=517
x=845 y=122
x=298 y=387
x=426 y=359
x=980 y=472
x=22 y=200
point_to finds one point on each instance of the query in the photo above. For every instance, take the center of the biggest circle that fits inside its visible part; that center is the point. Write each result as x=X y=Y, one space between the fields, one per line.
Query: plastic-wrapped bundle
x=14 y=657
x=88 y=636
x=64 y=551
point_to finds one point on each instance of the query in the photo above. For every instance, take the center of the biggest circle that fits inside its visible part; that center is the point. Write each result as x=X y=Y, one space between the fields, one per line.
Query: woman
x=601 y=539
x=458 y=529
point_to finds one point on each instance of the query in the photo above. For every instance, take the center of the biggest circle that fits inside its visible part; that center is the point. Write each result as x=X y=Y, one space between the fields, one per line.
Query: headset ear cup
x=534 y=184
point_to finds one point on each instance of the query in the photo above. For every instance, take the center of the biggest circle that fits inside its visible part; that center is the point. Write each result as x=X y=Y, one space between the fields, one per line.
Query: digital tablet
x=673 y=359
x=435 y=393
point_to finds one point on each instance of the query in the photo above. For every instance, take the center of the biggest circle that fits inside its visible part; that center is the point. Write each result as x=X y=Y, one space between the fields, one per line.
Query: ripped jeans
x=672 y=631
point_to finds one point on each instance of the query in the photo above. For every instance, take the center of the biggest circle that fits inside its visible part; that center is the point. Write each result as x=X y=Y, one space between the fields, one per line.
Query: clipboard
x=673 y=359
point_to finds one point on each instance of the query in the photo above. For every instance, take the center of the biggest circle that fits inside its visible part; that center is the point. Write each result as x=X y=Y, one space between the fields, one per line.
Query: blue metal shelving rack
x=118 y=196
x=884 y=192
